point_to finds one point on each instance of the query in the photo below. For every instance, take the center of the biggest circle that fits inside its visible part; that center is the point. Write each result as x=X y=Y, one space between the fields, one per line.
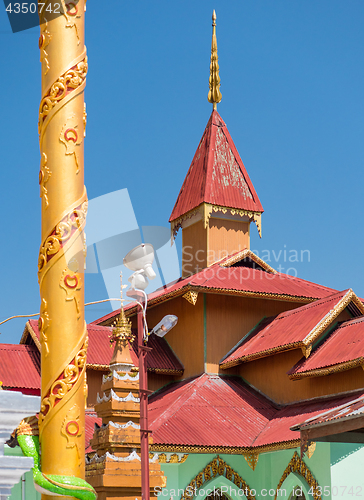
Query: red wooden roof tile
x=344 y=344
x=235 y=280
x=161 y=359
x=217 y=174
x=292 y=328
x=19 y=366
x=347 y=411
x=214 y=411
x=91 y=419
x=206 y=410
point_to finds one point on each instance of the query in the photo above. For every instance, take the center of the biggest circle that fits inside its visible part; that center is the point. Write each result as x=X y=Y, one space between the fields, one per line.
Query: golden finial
x=214 y=95
x=122 y=327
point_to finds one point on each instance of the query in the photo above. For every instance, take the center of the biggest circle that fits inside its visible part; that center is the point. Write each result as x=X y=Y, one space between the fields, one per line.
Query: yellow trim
x=217 y=467
x=340 y=306
x=231 y=450
x=306 y=344
x=206 y=209
x=28 y=330
x=298 y=466
x=173 y=459
x=319 y=372
x=222 y=291
x=191 y=297
x=248 y=253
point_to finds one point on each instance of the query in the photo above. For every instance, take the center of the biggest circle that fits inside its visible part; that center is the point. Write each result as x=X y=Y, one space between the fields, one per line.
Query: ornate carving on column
x=64 y=207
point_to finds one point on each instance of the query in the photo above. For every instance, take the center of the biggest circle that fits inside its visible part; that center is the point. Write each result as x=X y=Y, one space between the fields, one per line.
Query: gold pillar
x=62 y=121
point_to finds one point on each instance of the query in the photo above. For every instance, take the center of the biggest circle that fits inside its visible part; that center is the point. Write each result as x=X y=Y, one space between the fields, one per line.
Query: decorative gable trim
x=306 y=344
x=327 y=370
x=217 y=467
x=298 y=466
x=246 y=253
x=205 y=211
x=333 y=314
x=28 y=330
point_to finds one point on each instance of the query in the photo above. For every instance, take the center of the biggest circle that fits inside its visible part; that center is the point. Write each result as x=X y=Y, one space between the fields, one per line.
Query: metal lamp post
x=140 y=260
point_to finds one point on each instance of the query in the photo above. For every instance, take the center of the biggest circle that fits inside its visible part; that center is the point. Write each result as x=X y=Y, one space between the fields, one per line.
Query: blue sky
x=292 y=75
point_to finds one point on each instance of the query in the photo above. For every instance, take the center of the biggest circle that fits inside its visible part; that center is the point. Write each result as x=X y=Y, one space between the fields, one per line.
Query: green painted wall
x=347 y=470
x=264 y=479
x=336 y=466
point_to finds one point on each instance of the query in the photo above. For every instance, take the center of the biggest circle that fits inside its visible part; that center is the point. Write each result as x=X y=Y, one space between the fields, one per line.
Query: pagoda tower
x=217 y=201
x=115 y=469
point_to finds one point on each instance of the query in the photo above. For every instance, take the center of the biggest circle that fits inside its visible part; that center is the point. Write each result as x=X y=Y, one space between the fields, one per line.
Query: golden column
x=62 y=121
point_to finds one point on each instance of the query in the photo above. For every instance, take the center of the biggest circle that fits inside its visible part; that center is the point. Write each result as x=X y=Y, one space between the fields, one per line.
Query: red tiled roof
x=19 y=366
x=161 y=359
x=217 y=174
x=343 y=345
x=237 y=281
x=90 y=419
x=207 y=411
x=292 y=329
x=213 y=411
x=347 y=411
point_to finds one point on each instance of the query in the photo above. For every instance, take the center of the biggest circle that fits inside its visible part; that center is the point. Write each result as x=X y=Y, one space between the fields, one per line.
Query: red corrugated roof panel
x=240 y=280
x=217 y=174
x=161 y=359
x=91 y=419
x=223 y=411
x=347 y=411
x=19 y=366
x=208 y=409
x=288 y=329
x=344 y=344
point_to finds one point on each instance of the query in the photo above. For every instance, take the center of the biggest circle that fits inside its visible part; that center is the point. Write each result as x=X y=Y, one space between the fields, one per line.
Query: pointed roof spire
x=214 y=95
x=217 y=176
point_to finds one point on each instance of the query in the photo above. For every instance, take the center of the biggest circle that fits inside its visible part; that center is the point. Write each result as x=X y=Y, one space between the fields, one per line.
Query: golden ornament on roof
x=214 y=95
x=122 y=327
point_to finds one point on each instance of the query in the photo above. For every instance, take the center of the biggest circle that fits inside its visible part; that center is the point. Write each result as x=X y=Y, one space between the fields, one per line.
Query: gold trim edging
x=306 y=344
x=297 y=465
x=230 y=450
x=173 y=459
x=248 y=253
x=217 y=467
x=222 y=291
x=206 y=209
x=319 y=372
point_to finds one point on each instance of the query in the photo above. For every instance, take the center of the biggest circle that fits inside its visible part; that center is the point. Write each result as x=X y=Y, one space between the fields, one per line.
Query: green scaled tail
x=51 y=484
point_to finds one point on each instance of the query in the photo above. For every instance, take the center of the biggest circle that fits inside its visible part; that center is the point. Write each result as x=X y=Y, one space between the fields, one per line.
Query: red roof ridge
x=353 y=410
x=18 y=347
x=338 y=352
x=312 y=305
x=193 y=383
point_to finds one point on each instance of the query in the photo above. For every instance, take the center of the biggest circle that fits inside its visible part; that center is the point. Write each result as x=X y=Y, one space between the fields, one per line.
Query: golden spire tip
x=214 y=95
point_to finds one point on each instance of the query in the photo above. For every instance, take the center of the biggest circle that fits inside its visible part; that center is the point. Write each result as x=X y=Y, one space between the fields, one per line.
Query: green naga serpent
x=27 y=436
